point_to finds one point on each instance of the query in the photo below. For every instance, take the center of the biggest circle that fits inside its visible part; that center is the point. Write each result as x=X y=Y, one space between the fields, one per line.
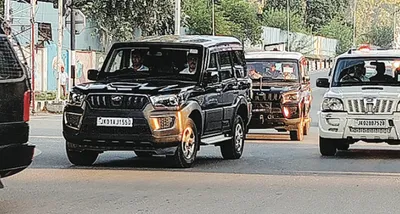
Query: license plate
x=371 y=123
x=370 y=130
x=114 y=122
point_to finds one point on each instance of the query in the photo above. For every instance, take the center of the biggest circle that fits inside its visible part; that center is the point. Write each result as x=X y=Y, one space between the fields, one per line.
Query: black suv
x=281 y=92
x=162 y=95
x=15 y=92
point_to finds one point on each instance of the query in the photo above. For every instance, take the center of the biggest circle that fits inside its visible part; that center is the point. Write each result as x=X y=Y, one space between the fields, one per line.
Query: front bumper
x=145 y=135
x=274 y=117
x=341 y=125
x=14 y=158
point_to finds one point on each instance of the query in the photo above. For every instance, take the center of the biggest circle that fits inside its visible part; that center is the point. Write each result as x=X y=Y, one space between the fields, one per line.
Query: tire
x=343 y=146
x=143 y=154
x=298 y=135
x=185 y=154
x=233 y=149
x=306 y=129
x=81 y=158
x=327 y=147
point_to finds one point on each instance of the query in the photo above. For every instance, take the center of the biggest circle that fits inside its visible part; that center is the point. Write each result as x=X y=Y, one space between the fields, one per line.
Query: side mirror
x=93 y=74
x=211 y=76
x=323 y=83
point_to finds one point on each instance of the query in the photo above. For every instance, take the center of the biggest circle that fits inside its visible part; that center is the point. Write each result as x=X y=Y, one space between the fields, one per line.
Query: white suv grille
x=382 y=106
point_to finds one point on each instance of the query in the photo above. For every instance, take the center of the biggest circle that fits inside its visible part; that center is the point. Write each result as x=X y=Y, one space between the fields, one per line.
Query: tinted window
x=213 y=61
x=226 y=71
x=10 y=67
x=238 y=62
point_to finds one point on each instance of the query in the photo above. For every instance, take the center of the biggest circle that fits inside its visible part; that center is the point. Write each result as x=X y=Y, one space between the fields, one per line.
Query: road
x=275 y=175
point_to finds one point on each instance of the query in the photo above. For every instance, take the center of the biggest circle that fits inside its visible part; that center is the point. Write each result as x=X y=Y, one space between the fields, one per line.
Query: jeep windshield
x=157 y=62
x=367 y=71
x=272 y=70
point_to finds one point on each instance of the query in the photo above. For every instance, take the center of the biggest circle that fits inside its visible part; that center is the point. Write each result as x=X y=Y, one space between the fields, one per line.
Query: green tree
x=277 y=18
x=236 y=18
x=381 y=36
x=118 y=19
x=338 y=29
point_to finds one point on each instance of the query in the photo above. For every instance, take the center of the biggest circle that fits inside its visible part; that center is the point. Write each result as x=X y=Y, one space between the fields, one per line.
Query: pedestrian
x=63 y=81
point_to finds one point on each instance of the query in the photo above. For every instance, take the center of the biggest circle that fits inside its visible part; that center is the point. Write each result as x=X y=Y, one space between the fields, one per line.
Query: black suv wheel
x=186 y=152
x=233 y=149
x=327 y=147
x=81 y=158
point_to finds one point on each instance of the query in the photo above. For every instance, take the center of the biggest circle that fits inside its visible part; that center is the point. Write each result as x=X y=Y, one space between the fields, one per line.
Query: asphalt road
x=274 y=175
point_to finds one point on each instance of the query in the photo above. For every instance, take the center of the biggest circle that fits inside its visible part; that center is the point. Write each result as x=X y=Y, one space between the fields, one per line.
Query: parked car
x=361 y=102
x=165 y=95
x=15 y=91
x=281 y=97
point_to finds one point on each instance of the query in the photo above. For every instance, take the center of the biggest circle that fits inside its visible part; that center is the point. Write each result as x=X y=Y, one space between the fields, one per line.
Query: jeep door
x=212 y=100
x=230 y=89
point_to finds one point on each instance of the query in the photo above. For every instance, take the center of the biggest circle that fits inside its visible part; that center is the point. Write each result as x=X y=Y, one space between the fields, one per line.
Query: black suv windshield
x=154 y=62
x=367 y=71
x=272 y=70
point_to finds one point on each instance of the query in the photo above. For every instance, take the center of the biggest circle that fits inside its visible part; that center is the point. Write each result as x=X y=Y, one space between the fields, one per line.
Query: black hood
x=150 y=87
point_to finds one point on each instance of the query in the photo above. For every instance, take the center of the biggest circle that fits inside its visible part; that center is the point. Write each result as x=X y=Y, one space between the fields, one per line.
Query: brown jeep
x=281 y=95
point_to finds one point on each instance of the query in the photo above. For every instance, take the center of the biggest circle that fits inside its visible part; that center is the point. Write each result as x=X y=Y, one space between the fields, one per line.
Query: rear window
x=10 y=67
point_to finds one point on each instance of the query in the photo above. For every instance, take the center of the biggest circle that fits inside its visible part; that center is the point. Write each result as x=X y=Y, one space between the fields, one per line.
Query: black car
x=15 y=92
x=281 y=95
x=165 y=95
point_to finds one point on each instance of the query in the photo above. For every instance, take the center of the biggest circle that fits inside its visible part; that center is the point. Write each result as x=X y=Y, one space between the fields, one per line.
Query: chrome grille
x=267 y=97
x=382 y=106
x=111 y=101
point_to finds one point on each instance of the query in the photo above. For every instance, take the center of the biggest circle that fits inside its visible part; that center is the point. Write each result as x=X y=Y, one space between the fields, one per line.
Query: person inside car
x=358 y=76
x=191 y=64
x=381 y=76
x=137 y=61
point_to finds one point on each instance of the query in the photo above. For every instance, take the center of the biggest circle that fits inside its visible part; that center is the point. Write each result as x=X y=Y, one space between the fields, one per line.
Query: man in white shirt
x=137 y=61
x=63 y=81
x=191 y=63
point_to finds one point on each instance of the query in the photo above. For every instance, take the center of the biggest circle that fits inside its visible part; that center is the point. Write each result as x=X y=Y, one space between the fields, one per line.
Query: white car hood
x=392 y=92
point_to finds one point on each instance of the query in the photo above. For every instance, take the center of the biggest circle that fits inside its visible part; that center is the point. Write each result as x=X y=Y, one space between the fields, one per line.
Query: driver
x=137 y=61
x=191 y=64
x=359 y=74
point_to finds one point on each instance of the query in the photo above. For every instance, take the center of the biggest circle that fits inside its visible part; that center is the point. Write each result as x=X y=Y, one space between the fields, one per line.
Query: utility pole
x=354 y=22
x=59 y=47
x=7 y=8
x=73 y=32
x=33 y=12
x=213 y=17
x=177 y=17
x=288 y=23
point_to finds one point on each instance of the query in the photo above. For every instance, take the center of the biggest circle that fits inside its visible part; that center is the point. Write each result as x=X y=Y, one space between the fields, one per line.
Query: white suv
x=362 y=102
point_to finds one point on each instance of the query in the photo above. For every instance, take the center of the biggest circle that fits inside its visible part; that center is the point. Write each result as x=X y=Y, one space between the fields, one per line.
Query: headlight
x=398 y=107
x=291 y=97
x=166 y=102
x=332 y=104
x=76 y=98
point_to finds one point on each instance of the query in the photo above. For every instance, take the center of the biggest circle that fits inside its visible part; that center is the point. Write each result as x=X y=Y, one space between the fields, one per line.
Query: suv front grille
x=111 y=101
x=137 y=130
x=267 y=97
x=381 y=106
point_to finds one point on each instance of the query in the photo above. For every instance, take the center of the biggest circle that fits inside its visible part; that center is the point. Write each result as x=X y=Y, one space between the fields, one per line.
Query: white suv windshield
x=367 y=71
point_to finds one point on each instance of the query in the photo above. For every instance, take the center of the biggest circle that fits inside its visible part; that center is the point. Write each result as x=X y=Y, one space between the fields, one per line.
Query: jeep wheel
x=298 y=135
x=81 y=158
x=306 y=129
x=327 y=147
x=143 y=154
x=233 y=149
x=343 y=146
x=186 y=152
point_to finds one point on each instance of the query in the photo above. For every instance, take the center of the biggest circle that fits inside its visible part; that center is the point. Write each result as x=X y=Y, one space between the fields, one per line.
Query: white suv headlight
x=332 y=104
x=166 y=102
x=291 y=97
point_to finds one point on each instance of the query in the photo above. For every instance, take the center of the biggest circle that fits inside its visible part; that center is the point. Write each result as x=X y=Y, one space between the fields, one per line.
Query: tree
x=338 y=29
x=236 y=18
x=118 y=19
x=381 y=36
x=277 y=18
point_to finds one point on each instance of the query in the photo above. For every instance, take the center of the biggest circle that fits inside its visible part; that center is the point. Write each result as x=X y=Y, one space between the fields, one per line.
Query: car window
x=116 y=61
x=273 y=70
x=213 y=61
x=10 y=67
x=238 y=62
x=226 y=71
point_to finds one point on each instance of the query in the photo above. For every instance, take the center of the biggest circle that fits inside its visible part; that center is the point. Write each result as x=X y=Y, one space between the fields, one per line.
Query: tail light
x=27 y=105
